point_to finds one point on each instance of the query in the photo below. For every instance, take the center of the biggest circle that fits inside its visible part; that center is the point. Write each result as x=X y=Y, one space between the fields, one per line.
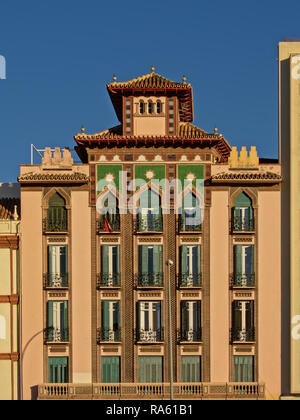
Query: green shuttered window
x=150 y=369
x=58 y=370
x=190 y=368
x=243 y=369
x=110 y=369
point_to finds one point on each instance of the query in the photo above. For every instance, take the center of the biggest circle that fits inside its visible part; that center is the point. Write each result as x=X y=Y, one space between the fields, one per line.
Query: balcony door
x=243 y=369
x=110 y=369
x=110 y=320
x=110 y=264
x=191 y=321
x=190 y=265
x=243 y=320
x=243 y=265
x=149 y=217
x=57 y=321
x=57 y=265
x=149 y=321
x=150 y=265
x=150 y=369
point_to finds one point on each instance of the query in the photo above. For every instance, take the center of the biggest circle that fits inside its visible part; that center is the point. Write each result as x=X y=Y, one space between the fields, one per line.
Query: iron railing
x=108 y=223
x=189 y=280
x=243 y=335
x=108 y=280
x=149 y=280
x=55 y=225
x=190 y=335
x=242 y=280
x=149 y=223
x=56 y=335
x=242 y=224
x=183 y=226
x=149 y=336
x=109 y=334
x=56 y=281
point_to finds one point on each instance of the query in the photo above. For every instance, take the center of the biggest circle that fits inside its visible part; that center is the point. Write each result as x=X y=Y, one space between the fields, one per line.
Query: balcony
x=149 y=280
x=185 y=226
x=243 y=335
x=149 y=223
x=189 y=280
x=56 y=335
x=55 y=225
x=191 y=335
x=149 y=336
x=152 y=391
x=56 y=281
x=108 y=223
x=242 y=224
x=107 y=335
x=242 y=280
x=108 y=280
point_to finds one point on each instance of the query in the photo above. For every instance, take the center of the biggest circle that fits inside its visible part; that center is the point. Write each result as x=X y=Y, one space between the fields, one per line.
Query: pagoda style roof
x=153 y=84
x=189 y=135
x=246 y=176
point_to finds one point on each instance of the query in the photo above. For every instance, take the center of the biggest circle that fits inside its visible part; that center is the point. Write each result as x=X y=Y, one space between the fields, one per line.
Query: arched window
x=158 y=107
x=142 y=107
x=149 y=216
x=150 y=107
x=109 y=220
x=243 y=219
x=190 y=219
x=57 y=214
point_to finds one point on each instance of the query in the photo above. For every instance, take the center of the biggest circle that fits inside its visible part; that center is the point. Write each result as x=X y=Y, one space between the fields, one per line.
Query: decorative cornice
x=76 y=177
x=246 y=176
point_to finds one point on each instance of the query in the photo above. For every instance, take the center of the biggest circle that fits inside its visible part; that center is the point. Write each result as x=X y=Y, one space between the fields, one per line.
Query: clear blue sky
x=61 y=54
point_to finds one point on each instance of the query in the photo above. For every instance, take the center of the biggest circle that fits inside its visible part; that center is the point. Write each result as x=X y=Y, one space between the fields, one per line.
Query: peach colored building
x=9 y=297
x=152 y=269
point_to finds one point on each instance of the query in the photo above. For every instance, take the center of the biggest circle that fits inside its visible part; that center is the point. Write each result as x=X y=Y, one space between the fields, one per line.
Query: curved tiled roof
x=40 y=177
x=150 y=81
x=7 y=207
x=247 y=177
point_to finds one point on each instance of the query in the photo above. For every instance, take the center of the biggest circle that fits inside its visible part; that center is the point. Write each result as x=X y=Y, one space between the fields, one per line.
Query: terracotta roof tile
x=40 y=177
x=150 y=80
x=247 y=177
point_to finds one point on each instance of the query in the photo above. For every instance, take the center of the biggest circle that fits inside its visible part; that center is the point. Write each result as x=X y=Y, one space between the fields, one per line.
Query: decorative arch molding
x=251 y=192
x=153 y=186
x=56 y=190
x=190 y=188
x=109 y=189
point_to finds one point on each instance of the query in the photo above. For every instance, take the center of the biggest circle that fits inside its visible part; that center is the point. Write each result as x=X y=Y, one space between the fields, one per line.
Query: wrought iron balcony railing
x=242 y=280
x=56 y=335
x=191 y=335
x=243 y=335
x=189 y=280
x=149 y=223
x=56 y=281
x=109 y=335
x=149 y=280
x=149 y=336
x=242 y=224
x=108 y=280
x=184 y=225
x=55 y=225
x=108 y=223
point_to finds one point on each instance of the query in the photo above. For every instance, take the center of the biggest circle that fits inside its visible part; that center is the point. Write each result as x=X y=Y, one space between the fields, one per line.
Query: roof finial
x=82 y=129
x=114 y=78
x=184 y=79
x=152 y=69
x=216 y=130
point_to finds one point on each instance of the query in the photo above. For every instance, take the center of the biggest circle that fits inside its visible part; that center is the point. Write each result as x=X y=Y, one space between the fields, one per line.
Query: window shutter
x=150 y=369
x=236 y=315
x=105 y=319
x=63 y=250
x=190 y=368
x=58 y=370
x=65 y=320
x=183 y=260
x=157 y=259
x=104 y=259
x=237 y=260
x=110 y=369
x=184 y=317
x=50 y=323
x=250 y=315
x=243 y=368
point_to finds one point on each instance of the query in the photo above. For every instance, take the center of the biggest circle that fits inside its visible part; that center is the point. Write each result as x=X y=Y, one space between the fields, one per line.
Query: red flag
x=107 y=226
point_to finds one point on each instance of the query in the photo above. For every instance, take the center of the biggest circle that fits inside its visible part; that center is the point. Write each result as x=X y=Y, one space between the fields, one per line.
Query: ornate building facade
x=156 y=261
x=9 y=296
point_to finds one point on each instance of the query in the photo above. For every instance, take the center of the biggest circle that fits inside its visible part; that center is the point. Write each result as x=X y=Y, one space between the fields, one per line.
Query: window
x=150 y=107
x=128 y=116
x=150 y=265
x=57 y=321
x=243 y=368
x=110 y=321
x=243 y=219
x=57 y=214
x=141 y=107
x=110 y=369
x=57 y=266
x=171 y=116
x=150 y=369
x=190 y=368
x=190 y=321
x=190 y=218
x=243 y=266
x=110 y=265
x=158 y=107
x=58 y=370
x=190 y=265
x=149 y=321
x=243 y=320
x=149 y=217
x=109 y=220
